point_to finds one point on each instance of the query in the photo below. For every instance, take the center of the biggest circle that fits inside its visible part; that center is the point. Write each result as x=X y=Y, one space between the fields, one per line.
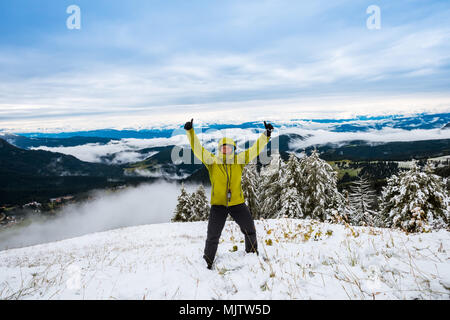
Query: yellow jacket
x=226 y=170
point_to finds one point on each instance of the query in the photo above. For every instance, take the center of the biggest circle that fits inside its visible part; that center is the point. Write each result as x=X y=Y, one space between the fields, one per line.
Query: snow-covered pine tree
x=415 y=201
x=318 y=189
x=362 y=200
x=290 y=197
x=271 y=187
x=200 y=205
x=251 y=187
x=347 y=210
x=183 y=210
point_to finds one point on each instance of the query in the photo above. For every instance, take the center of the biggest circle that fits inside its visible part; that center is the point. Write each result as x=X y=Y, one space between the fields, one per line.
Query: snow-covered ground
x=299 y=259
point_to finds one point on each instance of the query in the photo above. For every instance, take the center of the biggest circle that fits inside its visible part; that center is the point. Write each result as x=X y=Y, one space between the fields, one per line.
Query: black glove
x=188 y=125
x=269 y=128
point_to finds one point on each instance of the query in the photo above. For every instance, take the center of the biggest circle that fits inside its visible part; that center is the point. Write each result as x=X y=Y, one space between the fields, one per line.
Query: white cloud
x=314 y=133
x=124 y=148
x=321 y=136
x=214 y=81
x=323 y=106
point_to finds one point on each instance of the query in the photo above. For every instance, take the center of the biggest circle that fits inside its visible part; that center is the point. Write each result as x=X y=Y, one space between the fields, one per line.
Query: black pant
x=217 y=217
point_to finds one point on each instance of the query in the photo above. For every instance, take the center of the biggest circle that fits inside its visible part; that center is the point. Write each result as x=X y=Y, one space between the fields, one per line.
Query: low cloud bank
x=145 y=204
x=385 y=135
x=125 y=150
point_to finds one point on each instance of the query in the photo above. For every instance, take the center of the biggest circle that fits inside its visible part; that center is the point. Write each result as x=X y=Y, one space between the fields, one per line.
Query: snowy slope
x=300 y=259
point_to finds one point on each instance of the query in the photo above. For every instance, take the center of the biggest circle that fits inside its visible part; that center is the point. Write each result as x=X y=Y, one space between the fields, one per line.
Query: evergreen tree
x=200 y=206
x=347 y=211
x=318 y=189
x=251 y=187
x=183 y=210
x=290 y=197
x=362 y=200
x=415 y=201
x=271 y=187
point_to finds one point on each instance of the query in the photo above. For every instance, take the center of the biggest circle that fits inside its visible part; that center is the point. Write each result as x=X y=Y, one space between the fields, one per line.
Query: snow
x=307 y=260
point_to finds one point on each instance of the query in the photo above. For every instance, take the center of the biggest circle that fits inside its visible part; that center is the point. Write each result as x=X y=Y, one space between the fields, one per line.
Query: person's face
x=226 y=149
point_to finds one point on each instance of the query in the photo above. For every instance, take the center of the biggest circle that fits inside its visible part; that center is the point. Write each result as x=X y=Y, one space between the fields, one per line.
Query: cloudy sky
x=138 y=64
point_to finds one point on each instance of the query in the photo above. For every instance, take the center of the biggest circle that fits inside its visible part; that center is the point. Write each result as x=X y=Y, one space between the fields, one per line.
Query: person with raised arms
x=225 y=173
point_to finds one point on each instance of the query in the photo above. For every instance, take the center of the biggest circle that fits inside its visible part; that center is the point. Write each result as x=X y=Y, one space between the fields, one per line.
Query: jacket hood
x=230 y=142
x=226 y=140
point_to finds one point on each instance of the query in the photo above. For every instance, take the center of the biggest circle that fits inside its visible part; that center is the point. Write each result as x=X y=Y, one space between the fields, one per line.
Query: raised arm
x=201 y=153
x=251 y=153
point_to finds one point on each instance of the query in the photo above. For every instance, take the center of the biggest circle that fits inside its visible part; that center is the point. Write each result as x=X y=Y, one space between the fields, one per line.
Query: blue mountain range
x=357 y=124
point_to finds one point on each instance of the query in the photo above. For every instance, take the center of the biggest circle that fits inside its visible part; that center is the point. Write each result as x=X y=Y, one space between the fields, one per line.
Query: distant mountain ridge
x=30 y=142
x=46 y=163
x=29 y=175
x=356 y=124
